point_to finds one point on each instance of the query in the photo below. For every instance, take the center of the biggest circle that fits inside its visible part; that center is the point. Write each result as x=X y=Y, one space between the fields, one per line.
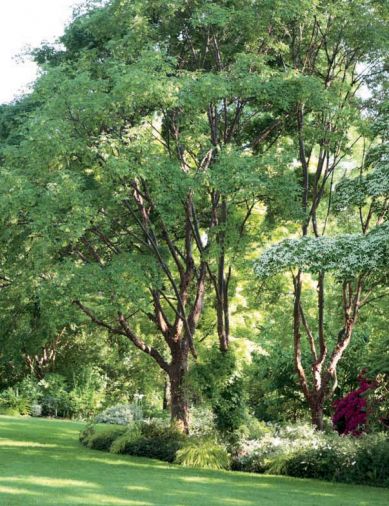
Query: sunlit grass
x=42 y=463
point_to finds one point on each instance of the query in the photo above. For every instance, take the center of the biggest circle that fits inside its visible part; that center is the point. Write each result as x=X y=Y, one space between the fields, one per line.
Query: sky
x=26 y=23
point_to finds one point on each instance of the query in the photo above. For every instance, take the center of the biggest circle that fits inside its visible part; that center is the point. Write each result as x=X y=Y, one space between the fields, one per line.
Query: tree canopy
x=169 y=150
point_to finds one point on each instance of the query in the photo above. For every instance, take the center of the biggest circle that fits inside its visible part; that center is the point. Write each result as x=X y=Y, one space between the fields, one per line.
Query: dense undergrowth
x=294 y=450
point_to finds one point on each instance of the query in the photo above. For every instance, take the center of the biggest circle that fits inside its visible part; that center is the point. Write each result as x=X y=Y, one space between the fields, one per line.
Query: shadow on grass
x=42 y=463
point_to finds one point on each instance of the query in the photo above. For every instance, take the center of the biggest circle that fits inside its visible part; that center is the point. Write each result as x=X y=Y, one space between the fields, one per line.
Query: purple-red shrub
x=351 y=412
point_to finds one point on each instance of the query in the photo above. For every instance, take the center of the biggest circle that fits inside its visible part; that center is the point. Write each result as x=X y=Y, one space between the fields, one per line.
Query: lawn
x=41 y=463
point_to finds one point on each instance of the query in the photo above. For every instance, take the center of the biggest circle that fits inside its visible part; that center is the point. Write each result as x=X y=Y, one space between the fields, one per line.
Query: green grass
x=41 y=463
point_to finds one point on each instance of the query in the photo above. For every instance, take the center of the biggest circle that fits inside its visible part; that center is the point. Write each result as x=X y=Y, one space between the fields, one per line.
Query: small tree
x=331 y=45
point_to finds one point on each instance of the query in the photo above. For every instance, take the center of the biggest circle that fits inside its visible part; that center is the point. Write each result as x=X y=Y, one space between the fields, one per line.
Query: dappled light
x=65 y=473
x=194 y=267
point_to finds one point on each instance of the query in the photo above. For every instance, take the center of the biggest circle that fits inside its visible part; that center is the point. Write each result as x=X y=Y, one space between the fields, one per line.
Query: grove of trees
x=194 y=204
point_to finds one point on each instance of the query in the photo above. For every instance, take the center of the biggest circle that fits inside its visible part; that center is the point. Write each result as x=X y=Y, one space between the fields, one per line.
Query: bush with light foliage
x=205 y=454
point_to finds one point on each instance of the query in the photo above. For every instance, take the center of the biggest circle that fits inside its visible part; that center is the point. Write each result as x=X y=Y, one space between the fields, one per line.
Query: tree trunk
x=317 y=414
x=178 y=398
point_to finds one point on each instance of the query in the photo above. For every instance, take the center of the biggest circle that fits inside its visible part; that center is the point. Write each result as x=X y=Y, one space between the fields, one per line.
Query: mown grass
x=42 y=463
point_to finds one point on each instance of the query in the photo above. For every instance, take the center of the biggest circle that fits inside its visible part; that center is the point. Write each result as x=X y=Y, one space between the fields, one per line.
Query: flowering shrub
x=341 y=458
x=122 y=414
x=351 y=412
x=258 y=455
x=36 y=410
x=202 y=421
x=301 y=451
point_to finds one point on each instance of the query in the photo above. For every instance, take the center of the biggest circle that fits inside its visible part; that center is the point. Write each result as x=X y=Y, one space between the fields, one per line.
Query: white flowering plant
x=301 y=451
x=121 y=414
x=346 y=255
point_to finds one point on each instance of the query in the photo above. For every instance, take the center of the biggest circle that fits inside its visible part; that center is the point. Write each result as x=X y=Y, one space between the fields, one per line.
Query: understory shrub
x=297 y=451
x=305 y=453
x=55 y=395
x=229 y=407
x=372 y=460
x=153 y=439
x=13 y=403
x=351 y=413
x=257 y=454
x=252 y=428
x=100 y=439
x=36 y=410
x=202 y=422
x=217 y=381
x=331 y=459
x=121 y=414
x=156 y=441
x=9 y=411
x=378 y=404
x=132 y=433
x=364 y=461
x=206 y=454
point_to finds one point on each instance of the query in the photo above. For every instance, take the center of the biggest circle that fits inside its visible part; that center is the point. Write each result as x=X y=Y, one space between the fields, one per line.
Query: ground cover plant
x=42 y=462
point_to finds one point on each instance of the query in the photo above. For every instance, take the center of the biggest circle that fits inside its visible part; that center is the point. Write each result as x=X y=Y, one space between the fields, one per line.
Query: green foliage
x=378 y=405
x=271 y=383
x=157 y=441
x=86 y=434
x=160 y=138
x=302 y=452
x=205 y=454
x=331 y=461
x=372 y=461
x=7 y=411
x=217 y=381
x=29 y=387
x=353 y=461
x=13 y=403
x=230 y=406
x=143 y=480
x=122 y=414
x=152 y=439
x=100 y=439
x=55 y=398
x=347 y=255
x=252 y=429
x=120 y=444
x=86 y=393
x=202 y=421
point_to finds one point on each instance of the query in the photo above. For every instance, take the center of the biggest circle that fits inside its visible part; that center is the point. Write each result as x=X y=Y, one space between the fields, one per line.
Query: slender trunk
x=222 y=283
x=165 y=401
x=222 y=332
